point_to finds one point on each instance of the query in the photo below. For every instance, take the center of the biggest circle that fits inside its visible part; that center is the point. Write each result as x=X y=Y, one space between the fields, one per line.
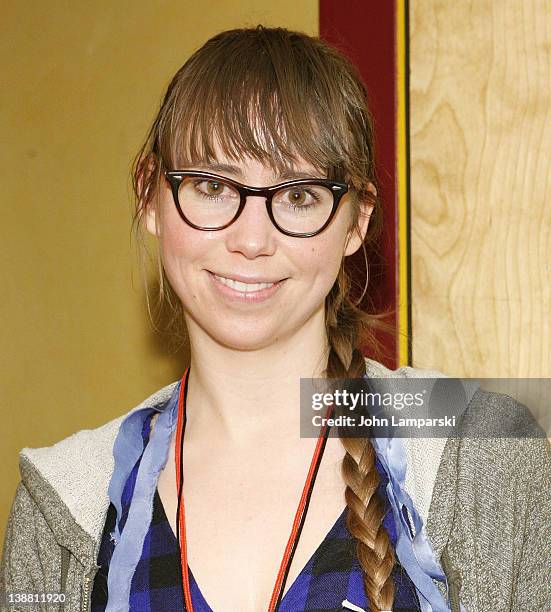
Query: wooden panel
x=481 y=181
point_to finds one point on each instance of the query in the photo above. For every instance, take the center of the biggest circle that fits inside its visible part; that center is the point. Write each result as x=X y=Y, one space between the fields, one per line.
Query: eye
x=214 y=188
x=296 y=196
x=300 y=197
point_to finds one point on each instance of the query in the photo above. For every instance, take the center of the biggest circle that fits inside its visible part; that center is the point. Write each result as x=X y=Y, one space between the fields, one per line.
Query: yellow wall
x=481 y=220
x=80 y=84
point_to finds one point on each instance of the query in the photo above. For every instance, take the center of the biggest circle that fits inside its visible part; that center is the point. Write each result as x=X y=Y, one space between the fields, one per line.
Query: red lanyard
x=299 y=517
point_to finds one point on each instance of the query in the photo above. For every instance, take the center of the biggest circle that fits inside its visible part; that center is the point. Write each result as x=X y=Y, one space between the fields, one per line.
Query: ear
x=151 y=225
x=354 y=239
x=145 y=168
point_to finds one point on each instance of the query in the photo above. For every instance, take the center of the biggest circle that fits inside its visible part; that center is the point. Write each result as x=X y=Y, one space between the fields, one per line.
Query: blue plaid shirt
x=331 y=576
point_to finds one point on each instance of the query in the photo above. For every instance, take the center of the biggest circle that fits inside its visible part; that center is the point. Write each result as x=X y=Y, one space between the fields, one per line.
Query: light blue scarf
x=126 y=451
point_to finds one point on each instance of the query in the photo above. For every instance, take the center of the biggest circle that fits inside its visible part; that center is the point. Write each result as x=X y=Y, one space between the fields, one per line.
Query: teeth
x=245 y=287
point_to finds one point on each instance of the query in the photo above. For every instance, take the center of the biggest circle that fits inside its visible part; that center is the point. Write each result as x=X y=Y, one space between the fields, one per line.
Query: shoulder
x=78 y=468
x=500 y=449
x=501 y=441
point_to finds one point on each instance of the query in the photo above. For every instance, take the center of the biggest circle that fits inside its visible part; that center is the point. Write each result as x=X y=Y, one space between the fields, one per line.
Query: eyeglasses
x=301 y=208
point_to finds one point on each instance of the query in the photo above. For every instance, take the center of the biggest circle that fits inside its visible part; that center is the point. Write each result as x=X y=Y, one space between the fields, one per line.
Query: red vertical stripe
x=365 y=31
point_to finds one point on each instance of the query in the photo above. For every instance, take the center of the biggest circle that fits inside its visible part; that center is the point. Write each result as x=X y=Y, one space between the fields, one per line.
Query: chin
x=244 y=338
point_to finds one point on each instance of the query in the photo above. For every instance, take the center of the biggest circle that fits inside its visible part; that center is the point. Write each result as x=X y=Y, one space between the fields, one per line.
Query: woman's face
x=300 y=272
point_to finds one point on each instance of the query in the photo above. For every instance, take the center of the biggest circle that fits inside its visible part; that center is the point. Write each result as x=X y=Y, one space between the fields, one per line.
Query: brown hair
x=272 y=95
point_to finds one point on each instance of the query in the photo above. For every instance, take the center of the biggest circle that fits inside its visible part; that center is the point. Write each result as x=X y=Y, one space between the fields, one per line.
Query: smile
x=239 y=286
x=242 y=292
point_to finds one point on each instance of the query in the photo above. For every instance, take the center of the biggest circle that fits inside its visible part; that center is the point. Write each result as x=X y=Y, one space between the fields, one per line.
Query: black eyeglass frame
x=175 y=178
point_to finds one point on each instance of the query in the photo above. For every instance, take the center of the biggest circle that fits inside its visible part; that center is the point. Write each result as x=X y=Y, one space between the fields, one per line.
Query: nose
x=252 y=234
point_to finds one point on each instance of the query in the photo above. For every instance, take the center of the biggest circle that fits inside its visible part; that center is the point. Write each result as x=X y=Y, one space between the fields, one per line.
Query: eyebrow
x=285 y=175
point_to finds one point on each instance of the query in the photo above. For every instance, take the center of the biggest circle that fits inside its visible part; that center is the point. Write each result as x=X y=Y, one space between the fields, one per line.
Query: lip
x=247 y=279
x=241 y=296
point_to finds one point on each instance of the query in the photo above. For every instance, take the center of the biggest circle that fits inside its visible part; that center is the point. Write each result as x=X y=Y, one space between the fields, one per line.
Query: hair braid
x=365 y=511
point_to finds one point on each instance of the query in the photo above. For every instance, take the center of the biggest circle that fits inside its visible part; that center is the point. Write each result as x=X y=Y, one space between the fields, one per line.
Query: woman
x=258 y=180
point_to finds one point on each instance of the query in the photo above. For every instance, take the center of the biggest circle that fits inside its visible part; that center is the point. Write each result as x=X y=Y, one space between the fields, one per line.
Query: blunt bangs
x=274 y=98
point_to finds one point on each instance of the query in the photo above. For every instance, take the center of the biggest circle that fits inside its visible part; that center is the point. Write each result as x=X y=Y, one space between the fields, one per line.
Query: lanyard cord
x=300 y=515
x=180 y=511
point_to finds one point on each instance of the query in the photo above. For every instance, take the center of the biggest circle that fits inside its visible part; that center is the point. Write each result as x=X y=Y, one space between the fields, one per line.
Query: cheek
x=178 y=242
x=173 y=240
x=175 y=236
x=180 y=247
x=322 y=260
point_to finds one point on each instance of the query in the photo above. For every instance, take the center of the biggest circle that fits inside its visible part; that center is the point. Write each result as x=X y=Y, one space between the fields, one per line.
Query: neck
x=238 y=397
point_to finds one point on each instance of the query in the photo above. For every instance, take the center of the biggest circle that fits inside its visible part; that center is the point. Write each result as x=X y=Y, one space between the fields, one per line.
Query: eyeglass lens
x=213 y=203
